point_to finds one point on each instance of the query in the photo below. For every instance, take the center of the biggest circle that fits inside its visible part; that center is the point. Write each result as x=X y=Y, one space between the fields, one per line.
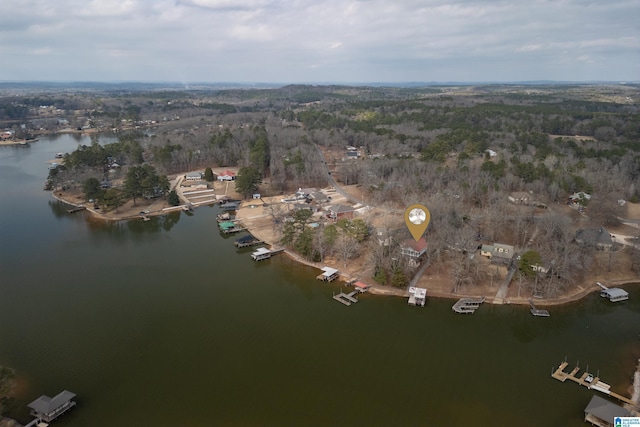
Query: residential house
x=598 y=238
x=227 y=176
x=601 y=412
x=319 y=197
x=414 y=249
x=339 y=212
x=193 y=176
x=580 y=197
x=498 y=252
x=352 y=155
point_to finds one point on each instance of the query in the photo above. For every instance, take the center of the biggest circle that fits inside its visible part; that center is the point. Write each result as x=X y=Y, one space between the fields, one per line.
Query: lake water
x=165 y=323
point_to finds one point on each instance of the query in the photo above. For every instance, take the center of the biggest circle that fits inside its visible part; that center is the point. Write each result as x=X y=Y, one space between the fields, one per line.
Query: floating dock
x=76 y=209
x=536 y=312
x=588 y=380
x=467 y=305
x=347 y=299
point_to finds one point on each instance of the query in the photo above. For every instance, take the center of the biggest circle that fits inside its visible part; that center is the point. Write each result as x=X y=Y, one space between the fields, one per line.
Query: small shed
x=48 y=408
x=601 y=412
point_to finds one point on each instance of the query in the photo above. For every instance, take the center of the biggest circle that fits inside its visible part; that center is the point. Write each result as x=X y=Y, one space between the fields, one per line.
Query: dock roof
x=46 y=405
x=226 y=225
x=328 y=271
x=616 y=292
x=261 y=251
x=605 y=410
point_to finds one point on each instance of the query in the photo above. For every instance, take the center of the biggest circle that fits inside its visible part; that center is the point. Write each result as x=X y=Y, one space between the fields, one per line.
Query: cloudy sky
x=282 y=41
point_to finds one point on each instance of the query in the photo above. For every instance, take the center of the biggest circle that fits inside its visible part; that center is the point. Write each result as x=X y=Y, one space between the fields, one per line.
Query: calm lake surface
x=165 y=323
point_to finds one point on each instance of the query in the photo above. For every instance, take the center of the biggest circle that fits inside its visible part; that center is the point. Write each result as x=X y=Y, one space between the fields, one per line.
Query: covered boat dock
x=47 y=408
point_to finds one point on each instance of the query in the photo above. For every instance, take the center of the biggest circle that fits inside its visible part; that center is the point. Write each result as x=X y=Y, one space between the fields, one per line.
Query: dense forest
x=460 y=150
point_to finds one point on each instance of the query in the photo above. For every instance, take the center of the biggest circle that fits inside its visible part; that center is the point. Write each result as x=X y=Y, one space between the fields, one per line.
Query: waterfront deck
x=536 y=312
x=587 y=380
x=467 y=305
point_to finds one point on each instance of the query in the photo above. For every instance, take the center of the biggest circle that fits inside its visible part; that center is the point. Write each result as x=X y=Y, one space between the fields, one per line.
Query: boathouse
x=47 y=408
x=614 y=294
x=260 y=254
x=601 y=412
x=417 y=296
x=329 y=274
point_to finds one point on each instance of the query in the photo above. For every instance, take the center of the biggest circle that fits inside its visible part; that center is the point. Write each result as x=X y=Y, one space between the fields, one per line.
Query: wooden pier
x=467 y=305
x=536 y=312
x=76 y=209
x=347 y=299
x=588 y=380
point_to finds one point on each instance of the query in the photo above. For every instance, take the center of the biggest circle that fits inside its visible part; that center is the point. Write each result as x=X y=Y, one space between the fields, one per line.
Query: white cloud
x=322 y=40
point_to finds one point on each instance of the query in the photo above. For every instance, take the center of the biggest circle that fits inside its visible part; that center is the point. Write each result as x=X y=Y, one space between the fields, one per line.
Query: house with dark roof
x=601 y=412
x=47 y=408
x=598 y=238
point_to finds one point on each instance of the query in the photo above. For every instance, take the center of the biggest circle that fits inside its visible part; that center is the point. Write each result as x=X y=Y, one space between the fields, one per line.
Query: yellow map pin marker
x=417 y=218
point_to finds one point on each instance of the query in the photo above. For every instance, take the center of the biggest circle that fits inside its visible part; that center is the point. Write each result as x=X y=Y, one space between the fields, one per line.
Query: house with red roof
x=227 y=176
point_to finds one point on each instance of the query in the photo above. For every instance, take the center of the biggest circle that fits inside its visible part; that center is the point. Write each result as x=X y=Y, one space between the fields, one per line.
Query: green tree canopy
x=208 y=174
x=143 y=181
x=92 y=189
x=173 y=198
x=527 y=260
x=247 y=181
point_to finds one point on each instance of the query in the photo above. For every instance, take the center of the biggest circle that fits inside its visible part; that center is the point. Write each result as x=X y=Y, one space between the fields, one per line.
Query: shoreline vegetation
x=346 y=273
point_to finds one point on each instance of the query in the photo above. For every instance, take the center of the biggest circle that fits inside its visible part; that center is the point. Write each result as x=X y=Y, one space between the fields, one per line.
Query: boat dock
x=417 y=296
x=347 y=299
x=76 y=209
x=536 y=312
x=329 y=275
x=228 y=227
x=467 y=305
x=588 y=380
x=246 y=241
x=264 y=253
x=613 y=294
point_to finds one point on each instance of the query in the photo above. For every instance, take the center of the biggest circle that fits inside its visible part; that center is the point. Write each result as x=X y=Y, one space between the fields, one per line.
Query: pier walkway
x=536 y=312
x=347 y=299
x=467 y=305
x=586 y=379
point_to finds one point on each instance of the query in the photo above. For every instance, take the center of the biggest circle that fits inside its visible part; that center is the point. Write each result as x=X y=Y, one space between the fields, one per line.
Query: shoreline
x=579 y=292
